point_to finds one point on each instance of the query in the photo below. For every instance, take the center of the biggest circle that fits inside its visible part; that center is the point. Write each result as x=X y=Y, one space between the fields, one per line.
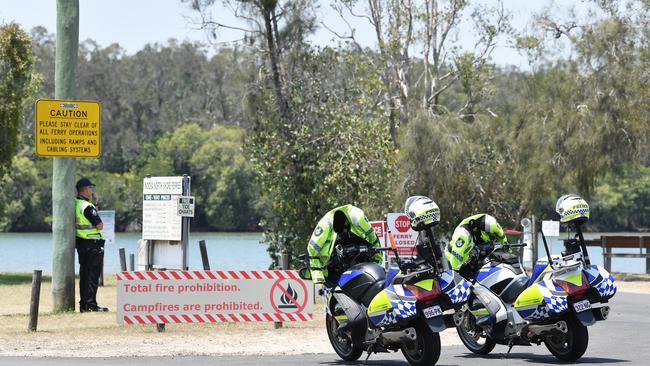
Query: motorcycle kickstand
x=366 y=360
x=367 y=356
x=510 y=345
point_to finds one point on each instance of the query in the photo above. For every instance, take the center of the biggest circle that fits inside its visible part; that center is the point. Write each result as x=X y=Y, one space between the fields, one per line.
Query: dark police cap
x=84 y=182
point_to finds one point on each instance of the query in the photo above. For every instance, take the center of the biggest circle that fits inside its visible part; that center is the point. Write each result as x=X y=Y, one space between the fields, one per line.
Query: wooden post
x=647 y=259
x=607 y=259
x=36 y=297
x=204 y=255
x=122 y=260
x=132 y=262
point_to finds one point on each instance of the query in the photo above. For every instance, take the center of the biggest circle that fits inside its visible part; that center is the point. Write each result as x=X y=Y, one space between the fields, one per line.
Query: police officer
x=344 y=225
x=90 y=245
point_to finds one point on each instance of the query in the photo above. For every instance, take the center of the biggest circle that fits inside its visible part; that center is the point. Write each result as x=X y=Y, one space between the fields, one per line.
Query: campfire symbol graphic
x=287 y=303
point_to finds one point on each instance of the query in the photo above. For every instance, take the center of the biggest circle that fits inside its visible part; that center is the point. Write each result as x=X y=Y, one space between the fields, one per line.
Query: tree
x=404 y=28
x=336 y=150
x=17 y=83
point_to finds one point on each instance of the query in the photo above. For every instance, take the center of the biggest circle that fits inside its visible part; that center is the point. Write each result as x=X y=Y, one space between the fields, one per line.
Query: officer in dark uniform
x=90 y=245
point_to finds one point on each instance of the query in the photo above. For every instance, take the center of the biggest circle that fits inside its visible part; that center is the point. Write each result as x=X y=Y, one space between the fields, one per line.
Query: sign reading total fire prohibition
x=68 y=128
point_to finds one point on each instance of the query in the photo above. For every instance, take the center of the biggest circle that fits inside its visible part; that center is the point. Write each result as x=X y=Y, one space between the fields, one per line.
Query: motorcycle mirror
x=304 y=273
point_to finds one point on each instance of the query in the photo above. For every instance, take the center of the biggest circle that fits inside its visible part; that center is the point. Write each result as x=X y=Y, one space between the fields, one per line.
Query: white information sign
x=186 y=206
x=405 y=237
x=160 y=219
x=551 y=228
x=212 y=297
x=108 y=219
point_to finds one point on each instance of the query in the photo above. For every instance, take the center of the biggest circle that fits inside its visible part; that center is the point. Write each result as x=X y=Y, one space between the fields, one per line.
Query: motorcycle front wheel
x=425 y=350
x=342 y=343
x=474 y=337
x=571 y=345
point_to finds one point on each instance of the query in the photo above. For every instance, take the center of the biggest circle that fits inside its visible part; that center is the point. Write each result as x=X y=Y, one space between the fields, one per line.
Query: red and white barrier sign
x=380 y=230
x=405 y=237
x=212 y=297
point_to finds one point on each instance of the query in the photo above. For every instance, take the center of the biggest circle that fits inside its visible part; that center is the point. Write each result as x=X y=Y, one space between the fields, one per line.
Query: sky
x=134 y=23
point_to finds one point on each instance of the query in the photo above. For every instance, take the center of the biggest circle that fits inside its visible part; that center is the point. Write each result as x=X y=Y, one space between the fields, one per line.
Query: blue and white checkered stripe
x=607 y=287
x=556 y=304
x=460 y=293
x=388 y=319
x=540 y=312
x=403 y=309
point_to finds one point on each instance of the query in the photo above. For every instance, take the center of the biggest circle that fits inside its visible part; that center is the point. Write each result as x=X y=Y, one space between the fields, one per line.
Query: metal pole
x=63 y=171
x=122 y=259
x=535 y=238
x=132 y=261
x=36 y=297
x=204 y=255
x=285 y=260
x=185 y=236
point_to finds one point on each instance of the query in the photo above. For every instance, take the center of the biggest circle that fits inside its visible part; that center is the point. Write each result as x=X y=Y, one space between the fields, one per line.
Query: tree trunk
x=275 y=67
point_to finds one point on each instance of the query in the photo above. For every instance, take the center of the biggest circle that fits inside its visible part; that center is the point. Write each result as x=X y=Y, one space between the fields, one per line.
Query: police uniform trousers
x=90 y=254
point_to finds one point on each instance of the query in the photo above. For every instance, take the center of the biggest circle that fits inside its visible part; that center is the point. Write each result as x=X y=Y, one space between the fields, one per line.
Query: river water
x=24 y=252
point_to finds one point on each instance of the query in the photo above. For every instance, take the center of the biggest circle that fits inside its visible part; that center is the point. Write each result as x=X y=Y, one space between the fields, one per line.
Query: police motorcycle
x=555 y=305
x=370 y=310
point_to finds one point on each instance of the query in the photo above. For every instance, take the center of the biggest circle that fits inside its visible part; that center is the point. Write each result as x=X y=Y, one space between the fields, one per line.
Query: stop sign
x=402 y=224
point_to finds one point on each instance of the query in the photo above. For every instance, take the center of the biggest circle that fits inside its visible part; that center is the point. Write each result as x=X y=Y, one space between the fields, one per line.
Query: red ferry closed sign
x=405 y=237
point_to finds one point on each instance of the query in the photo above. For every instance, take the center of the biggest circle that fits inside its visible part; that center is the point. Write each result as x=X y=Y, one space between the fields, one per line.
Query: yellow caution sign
x=69 y=128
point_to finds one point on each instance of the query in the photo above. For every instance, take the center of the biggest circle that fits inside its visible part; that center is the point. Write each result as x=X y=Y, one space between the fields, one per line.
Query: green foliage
x=336 y=150
x=221 y=176
x=24 y=196
x=624 y=201
x=17 y=82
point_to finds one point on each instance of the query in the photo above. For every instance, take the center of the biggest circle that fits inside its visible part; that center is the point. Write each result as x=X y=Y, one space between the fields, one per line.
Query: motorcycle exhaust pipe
x=542 y=330
x=601 y=313
x=404 y=336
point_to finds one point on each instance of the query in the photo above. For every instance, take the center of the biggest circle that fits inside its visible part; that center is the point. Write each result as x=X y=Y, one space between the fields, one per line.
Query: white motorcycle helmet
x=572 y=209
x=422 y=212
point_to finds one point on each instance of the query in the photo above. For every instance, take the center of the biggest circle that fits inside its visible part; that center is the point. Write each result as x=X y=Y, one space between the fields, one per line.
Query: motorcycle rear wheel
x=471 y=336
x=343 y=344
x=571 y=345
x=425 y=350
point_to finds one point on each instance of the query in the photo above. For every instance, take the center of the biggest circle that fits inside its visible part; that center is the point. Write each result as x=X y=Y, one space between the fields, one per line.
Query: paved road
x=624 y=339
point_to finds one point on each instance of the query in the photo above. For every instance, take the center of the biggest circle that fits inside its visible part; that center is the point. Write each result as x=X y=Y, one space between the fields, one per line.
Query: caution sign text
x=68 y=128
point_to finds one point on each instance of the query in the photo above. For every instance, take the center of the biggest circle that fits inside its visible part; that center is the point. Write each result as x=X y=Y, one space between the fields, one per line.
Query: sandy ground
x=98 y=335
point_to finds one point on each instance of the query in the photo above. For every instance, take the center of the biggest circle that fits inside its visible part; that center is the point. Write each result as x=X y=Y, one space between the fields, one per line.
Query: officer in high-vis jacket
x=345 y=225
x=89 y=243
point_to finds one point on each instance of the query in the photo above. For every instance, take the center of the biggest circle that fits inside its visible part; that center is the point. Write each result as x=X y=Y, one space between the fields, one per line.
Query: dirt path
x=98 y=335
